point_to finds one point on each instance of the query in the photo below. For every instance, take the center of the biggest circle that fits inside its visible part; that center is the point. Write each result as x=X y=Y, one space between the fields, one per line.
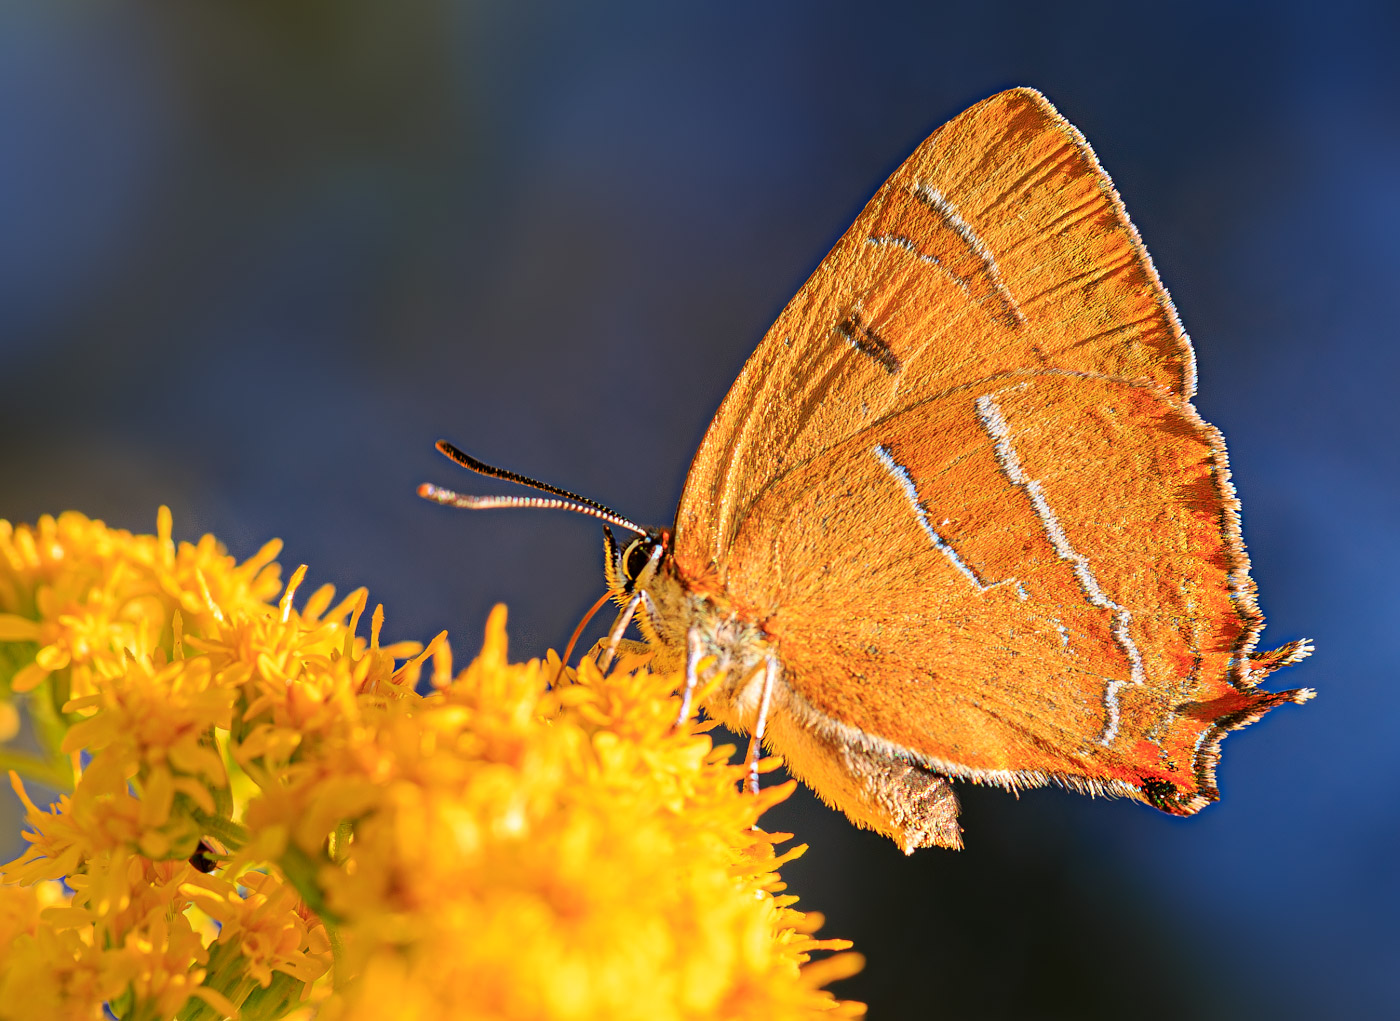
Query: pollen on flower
x=260 y=814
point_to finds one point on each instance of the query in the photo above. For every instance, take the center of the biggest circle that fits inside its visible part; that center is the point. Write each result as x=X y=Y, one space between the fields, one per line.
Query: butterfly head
x=634 y=563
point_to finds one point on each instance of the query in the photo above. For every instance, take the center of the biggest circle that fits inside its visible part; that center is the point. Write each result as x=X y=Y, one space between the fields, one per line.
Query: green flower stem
x=301 y=870
x=225 y=831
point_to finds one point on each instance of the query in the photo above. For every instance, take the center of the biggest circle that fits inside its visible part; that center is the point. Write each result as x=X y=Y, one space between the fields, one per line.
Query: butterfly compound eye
x=636 y=555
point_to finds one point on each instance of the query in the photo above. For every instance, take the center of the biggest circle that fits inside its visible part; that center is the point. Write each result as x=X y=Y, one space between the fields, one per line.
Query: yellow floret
x=265 y=816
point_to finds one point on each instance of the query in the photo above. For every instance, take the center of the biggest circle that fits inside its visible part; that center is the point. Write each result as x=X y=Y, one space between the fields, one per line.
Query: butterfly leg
x=692 y=662
x=615 y=635
x=770 y=669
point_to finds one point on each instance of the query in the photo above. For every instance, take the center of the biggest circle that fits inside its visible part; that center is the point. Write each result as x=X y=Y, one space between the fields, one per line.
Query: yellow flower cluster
x=259 y=815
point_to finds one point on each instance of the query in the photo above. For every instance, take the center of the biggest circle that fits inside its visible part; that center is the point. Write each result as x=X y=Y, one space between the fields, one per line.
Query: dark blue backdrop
x=255 y=258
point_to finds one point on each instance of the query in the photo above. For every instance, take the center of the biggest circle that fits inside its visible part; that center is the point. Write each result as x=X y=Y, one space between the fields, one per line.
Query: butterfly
x=957 y=519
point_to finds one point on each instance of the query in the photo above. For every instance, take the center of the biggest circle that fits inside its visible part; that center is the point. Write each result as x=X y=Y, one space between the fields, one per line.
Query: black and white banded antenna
x=559 y=499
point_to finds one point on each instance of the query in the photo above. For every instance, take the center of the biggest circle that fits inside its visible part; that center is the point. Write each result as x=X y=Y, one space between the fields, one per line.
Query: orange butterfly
x=957 y=517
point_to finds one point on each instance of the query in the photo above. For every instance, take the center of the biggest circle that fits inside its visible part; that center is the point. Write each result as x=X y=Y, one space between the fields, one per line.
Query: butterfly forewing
x=998 y=245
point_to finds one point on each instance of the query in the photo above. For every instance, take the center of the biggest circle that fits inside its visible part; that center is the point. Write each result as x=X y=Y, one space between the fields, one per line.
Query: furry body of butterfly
x=958 y=513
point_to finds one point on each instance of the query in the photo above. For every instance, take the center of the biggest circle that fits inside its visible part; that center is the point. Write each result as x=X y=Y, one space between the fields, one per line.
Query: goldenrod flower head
x=264 y=817
x=88 y=595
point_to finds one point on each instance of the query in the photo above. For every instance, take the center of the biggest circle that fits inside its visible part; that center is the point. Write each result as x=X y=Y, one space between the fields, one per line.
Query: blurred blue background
x=255 y=258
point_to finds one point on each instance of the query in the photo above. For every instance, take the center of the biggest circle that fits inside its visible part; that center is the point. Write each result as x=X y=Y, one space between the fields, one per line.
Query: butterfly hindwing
x=1037 y=576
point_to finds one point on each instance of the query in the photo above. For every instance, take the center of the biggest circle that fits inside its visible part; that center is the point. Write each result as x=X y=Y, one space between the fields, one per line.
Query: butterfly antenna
x=562 y=498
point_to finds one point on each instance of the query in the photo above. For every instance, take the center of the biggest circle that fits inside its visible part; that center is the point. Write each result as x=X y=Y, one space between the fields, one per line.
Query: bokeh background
x=256 y=257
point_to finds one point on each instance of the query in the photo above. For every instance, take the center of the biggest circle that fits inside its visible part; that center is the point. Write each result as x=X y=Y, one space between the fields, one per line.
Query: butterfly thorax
x=676 y=615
